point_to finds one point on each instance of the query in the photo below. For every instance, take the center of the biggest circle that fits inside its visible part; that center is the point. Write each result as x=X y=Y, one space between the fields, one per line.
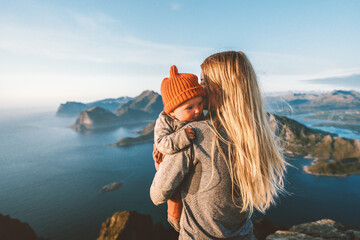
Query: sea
x=51 y=178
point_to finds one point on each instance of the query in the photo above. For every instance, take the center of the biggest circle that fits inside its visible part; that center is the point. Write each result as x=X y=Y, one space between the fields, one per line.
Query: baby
x=182 y=96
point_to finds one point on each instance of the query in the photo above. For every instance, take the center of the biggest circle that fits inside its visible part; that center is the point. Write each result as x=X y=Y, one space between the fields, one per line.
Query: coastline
x=307 y=171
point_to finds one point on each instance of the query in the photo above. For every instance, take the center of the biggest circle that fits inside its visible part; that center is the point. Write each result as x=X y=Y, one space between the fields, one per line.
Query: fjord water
x=51 y=177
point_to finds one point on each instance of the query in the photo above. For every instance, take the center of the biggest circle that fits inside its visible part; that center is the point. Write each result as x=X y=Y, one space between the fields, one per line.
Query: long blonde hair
x=254 y=158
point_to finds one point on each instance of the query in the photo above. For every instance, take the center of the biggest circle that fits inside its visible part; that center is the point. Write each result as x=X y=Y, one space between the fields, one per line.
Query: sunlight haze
x=57 y=51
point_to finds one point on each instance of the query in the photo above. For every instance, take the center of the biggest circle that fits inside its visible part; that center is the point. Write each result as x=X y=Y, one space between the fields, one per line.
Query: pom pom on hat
x=178 y=88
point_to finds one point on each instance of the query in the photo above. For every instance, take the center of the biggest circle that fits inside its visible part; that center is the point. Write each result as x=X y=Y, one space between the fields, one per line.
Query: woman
x=235 y=164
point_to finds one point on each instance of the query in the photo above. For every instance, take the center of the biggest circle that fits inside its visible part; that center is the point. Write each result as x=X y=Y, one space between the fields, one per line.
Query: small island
x=111 y=187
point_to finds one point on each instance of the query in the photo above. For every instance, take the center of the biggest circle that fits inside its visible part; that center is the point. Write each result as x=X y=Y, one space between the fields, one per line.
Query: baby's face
x=190 y=110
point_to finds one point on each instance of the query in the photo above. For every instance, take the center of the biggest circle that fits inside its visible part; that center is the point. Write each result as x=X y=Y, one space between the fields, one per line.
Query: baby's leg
x=175 y=206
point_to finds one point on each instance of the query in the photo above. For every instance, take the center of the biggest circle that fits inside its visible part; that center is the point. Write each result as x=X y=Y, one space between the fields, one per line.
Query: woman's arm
x=171 y=173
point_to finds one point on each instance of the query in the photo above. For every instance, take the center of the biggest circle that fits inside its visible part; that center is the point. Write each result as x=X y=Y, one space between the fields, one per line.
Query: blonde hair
x=254 y=158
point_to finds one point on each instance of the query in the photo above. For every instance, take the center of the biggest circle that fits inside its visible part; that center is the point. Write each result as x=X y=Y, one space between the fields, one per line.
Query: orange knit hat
x=178 y=88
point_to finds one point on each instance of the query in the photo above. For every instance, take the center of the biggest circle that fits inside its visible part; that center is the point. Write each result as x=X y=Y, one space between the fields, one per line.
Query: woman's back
x=209 y=211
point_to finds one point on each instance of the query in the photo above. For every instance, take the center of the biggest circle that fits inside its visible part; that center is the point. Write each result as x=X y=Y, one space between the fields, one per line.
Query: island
x=111 y=187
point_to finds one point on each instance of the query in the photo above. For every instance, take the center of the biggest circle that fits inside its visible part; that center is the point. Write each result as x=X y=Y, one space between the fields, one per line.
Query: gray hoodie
x=208 y=212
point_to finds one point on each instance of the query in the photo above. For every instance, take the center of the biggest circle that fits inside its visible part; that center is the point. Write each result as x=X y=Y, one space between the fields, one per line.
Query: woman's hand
x=158 y=157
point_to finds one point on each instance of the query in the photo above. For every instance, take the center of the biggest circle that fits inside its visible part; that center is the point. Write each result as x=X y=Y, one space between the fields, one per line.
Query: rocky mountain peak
x=147 y=105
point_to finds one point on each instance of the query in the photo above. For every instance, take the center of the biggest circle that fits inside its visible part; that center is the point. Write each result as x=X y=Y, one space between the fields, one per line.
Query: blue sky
x=57 y=51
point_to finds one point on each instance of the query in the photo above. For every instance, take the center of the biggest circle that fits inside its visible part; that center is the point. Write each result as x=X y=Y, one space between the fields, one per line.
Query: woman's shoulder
x=205 y=131
x=201 y=125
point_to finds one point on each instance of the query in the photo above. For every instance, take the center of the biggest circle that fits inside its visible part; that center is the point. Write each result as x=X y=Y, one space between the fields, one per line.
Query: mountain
x=74 y=108
x=296 y=103
x=146 y=106
x=95 y=118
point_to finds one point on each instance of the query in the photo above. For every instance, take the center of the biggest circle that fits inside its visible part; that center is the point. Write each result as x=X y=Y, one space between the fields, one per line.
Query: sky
x=57 y=51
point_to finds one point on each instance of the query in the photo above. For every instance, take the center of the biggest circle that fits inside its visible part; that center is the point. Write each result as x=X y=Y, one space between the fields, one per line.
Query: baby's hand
x=190 y=133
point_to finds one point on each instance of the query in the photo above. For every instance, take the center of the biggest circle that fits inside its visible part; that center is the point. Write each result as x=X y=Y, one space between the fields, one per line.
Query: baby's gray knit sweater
x=169 y=136
x=208 y=212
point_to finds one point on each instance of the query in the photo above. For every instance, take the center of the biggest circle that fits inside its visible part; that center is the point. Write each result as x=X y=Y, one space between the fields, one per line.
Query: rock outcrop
x=14 y=229
x=146 y=135
x=130 y=225
x=319 y=230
